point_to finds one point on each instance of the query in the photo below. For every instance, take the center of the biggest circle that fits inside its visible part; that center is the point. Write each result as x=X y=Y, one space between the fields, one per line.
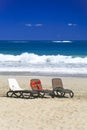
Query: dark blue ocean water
x=73 y=48
x=45 y=57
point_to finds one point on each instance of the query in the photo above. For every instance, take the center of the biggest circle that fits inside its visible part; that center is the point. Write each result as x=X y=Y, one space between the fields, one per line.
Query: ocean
x=54 y=58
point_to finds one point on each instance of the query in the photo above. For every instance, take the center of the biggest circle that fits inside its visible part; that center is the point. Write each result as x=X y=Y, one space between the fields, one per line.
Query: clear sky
x=43 y=19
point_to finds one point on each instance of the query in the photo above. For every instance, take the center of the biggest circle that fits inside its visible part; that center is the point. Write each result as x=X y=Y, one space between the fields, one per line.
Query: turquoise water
x=70 y=48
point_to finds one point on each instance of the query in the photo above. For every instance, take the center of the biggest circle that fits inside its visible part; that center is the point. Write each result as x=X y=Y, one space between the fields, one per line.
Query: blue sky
x=43 y=20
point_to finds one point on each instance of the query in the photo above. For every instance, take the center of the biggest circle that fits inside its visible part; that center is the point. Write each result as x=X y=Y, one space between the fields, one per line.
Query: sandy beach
x=47 y=113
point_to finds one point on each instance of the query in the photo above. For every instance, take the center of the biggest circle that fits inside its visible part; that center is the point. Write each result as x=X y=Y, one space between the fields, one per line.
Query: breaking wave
x=44 y=64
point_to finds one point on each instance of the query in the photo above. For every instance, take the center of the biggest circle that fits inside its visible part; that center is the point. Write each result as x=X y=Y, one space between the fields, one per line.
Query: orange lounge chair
x=37 y=86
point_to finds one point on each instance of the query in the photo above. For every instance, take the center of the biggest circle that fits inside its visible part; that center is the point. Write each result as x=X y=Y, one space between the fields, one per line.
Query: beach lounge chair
x=59 y=90
x=16 y=91
x=37 y=86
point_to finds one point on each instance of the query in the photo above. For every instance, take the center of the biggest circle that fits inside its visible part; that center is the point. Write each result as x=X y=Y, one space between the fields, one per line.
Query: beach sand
x=47 y=113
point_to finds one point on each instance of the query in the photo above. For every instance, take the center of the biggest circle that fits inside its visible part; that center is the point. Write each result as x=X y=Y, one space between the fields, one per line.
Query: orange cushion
x=36 y=85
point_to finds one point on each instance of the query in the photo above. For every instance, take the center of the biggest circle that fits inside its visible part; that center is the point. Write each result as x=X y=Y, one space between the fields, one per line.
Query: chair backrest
x=57 y=82
x=13 y=84
x=36 y=84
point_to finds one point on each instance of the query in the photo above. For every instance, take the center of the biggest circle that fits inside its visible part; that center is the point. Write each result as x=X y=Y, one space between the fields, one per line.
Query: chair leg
x=11 y=94
x=71 y=94
x=26 y=95
x=52 y=94
x=59 y=93
x=41 y=94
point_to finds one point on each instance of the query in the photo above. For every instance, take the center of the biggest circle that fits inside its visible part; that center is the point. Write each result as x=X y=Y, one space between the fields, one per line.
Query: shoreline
x=28 y=73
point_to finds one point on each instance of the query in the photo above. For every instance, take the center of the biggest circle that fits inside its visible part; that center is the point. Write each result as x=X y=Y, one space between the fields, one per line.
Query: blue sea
x=54 y=58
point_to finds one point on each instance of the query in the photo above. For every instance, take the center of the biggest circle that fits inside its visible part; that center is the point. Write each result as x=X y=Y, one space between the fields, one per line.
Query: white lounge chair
x=13 y=84
x=16 y=91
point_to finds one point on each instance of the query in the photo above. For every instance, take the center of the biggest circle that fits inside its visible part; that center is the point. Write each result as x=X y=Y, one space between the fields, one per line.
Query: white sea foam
x=62 y=41
x=44 y=64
